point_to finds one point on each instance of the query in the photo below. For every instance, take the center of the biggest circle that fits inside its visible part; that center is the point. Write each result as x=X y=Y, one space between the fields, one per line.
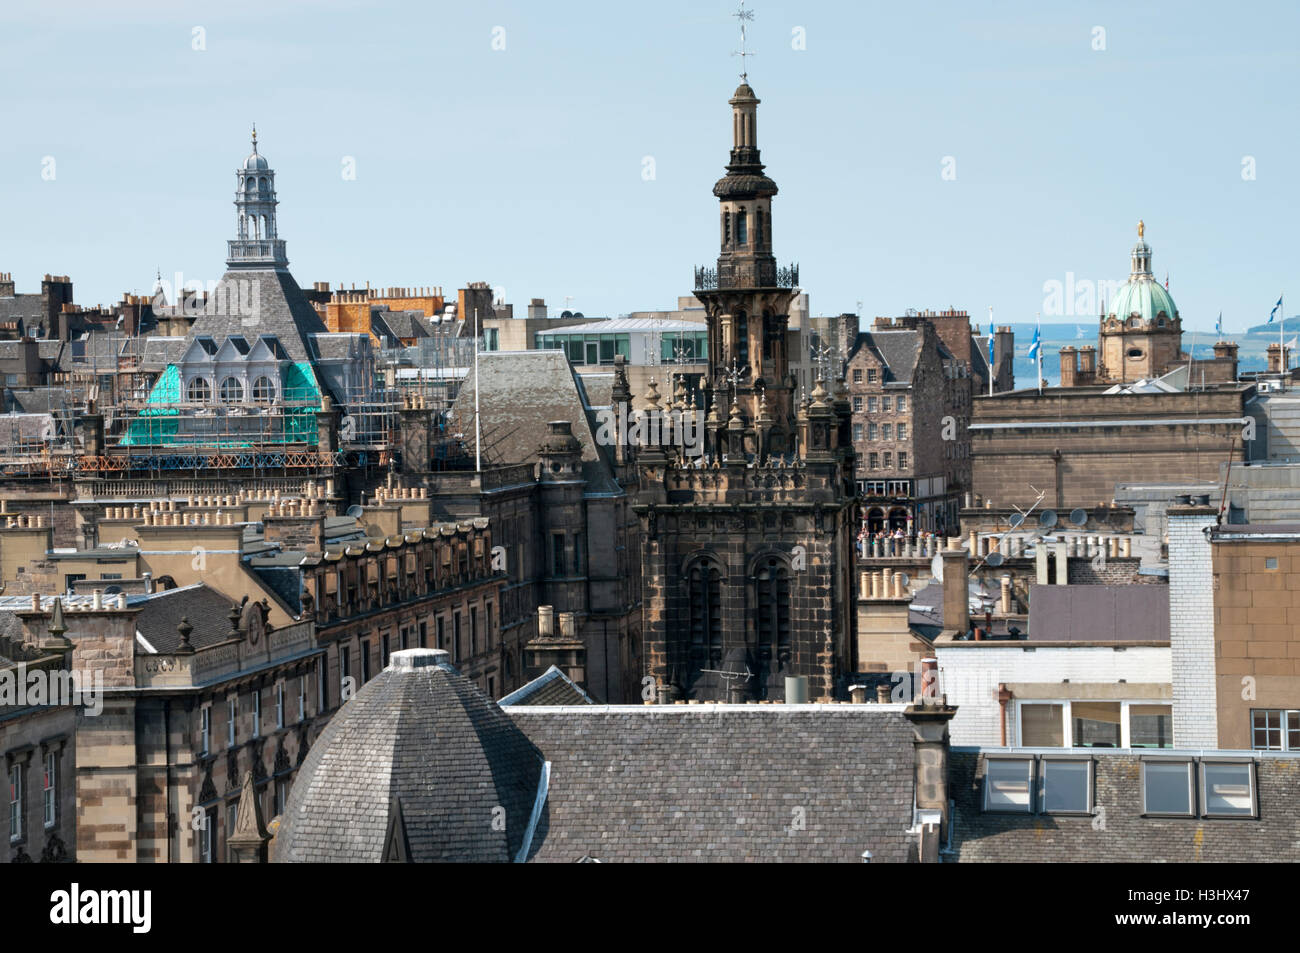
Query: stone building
x=746 y=536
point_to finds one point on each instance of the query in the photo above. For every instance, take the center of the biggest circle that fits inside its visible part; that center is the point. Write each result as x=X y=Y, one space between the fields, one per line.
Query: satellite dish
x=1047 y=518
x=375 y=531
x=936 y=568
x=355 y=511
x=1017 y=519
x=1078 y=516
x=994 y=559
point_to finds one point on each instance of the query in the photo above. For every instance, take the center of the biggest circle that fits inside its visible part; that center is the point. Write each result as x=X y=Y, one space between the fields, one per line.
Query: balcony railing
x=763 y=274
x=248 y=249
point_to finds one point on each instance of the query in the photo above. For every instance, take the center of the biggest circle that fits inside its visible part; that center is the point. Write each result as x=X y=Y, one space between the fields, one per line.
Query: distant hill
x=1290 y=324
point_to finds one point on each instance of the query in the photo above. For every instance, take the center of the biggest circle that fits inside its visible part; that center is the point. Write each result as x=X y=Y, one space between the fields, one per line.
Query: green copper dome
x=1142 y=294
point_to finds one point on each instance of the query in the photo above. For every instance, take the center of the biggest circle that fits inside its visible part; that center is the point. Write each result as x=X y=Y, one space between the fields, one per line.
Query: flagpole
x=1038 y=317
x=478 y=429
x=990 y=363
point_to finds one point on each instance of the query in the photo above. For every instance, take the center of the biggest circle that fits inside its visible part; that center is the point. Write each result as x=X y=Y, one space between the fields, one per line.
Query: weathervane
x=743 y=15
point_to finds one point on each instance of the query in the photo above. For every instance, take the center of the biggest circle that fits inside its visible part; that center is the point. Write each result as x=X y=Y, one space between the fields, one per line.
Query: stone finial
x=233 y=616
x=184 y=628
x=652 y=395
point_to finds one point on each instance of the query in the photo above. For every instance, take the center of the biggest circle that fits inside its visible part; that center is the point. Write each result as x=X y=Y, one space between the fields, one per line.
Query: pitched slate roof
x=205 y=609
x=723 y=782
x=281 y=309
x=521 y=392
x=552 y=687
x=421 y=733
x=1098 y=613
x=898 y=351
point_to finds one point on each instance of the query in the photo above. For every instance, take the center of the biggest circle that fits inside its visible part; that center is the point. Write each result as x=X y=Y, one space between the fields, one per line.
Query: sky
x=928 y=155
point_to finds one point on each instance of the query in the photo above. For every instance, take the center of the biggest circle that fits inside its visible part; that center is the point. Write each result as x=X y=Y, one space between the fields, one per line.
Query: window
x=257 y=712
x=902 y=431
x=873 y=461
x=889 y=460
x=1065 y=786
x=873 y=405
x=15 y=802
x=871 y=375
x=1007 y=784
x=281 y=796
x=1275 y=730
x=887 y=430
x=424 y=635
x=557 y=554
x=345 y=670
x=49 y=788
x=302 y=697
x=900 y=404
x=232 y=712
x=902 y=461
x=279 y=705
x=884 y=404
x=455 y=636
x=205 y=728
x=205 y=838
x=365 y=660
x=577 y=555
x=263 y=390
x=442 y=632
x=1042 y=726
x=1167 y=788
x=383 y=650
x=872 y=431
x=473 y=630
x=857 y=405
x=489 y=630
x=1096 y=724
x=857 y=433
x=705 y=583
x=322 y=698
x=199 y=391
x=772 y=583
x=857 y=376
x=232 y=818
x=1151 y=726
x=742 y=228
x=1227 y=789
x=232 y=391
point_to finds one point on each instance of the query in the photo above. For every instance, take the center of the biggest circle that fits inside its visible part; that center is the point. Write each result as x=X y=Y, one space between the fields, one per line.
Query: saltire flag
x=1218 y=325
x=1276 y=308
x=1166 y=281
x=990 y=347
x=1035 y=344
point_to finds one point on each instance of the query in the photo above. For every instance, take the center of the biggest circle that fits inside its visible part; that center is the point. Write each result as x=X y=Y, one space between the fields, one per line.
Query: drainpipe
x=1004 y=696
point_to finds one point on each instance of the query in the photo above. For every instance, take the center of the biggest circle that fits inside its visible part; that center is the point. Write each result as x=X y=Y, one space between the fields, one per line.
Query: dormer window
x=199 y=390
x=232 y=391
x=263 y=390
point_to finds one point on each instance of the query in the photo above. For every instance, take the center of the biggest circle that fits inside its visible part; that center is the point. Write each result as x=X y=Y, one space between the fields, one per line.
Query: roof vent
x=408 y=660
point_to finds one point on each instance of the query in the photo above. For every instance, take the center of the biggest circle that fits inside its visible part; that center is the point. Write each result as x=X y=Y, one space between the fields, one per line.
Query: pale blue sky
x=523 y=167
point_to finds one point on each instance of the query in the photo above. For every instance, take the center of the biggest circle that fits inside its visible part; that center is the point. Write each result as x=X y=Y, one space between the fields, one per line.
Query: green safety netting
x=160 y=422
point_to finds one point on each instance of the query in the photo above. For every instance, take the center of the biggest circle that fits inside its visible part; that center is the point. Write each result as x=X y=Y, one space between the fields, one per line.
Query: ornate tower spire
x=256 y=244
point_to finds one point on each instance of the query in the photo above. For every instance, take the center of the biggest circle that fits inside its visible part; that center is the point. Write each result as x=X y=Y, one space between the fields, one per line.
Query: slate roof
x=724 y=783
x=552 y=687
x=281 y=310
x=522 y=392
x=40 y=400
x=1125 y=836
x=429 y=737
x=898 y=351
x=29 y=307
x=399 y=324
x=206 y=609
x=1098 y=613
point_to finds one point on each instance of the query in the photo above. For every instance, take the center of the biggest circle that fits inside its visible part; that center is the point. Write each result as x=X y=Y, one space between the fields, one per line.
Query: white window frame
x=1285 y=714
x=1253 y=793
x=279 y=705
x=50 y=789
x=232 y=716
x=1044 y=767
x=302 y=697
x=1187 y=765
x=257 y=713
x=205 y=838
x=15 y=803
x=1028 y=763
x=205 y=729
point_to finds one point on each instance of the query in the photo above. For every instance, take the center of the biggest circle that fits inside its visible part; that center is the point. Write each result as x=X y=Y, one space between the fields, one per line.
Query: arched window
x=742 y=228
x=232 y=391
x=758 y=228
x=742 y=338
x=199 y=390
x=262 y=185
x=706 y=612
x=726 y=228
x=250 y=185
x=263 y=390
x=772 y=585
